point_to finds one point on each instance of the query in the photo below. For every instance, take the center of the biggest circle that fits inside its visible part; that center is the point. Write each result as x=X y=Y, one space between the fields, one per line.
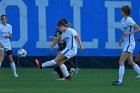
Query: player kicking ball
x=5 y=36
x=70 y=36
x=129 y=29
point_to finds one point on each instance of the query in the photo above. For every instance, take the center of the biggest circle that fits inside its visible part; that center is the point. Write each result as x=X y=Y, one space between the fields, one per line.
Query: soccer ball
x=22 y=53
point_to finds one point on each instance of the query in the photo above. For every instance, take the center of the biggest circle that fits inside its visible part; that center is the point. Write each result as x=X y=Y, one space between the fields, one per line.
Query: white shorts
x=129 y=47
x=69 y=53
x=7 y=45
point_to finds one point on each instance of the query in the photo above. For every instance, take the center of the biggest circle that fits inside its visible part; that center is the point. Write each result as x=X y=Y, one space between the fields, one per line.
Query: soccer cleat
x=61 y=79
x=116 y=83
x=68 y=78
x=38 y=64
x=138 y=76
x=16 y=75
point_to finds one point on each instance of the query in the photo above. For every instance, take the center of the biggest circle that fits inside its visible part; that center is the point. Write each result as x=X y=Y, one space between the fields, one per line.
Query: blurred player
x=61 y=46
x=137 y=58
x=70 y=36
x=5 y=36
x=129 y=29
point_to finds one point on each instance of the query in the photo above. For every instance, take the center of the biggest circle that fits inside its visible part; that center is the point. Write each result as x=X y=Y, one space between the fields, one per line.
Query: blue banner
x=96 y=21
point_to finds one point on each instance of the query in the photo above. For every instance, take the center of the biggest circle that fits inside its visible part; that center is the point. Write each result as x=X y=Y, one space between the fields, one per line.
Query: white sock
x=121 y=73
x=64 y=70
x=136 y=69
x=48 y=63
x=0 y=64
x=13 y=66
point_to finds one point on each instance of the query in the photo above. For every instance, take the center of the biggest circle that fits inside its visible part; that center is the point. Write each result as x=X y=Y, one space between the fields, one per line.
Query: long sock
x=0 y=64
x=13 y=66
x=64 y=70
x=48 y=63
x=136 y=69
x=121 y=73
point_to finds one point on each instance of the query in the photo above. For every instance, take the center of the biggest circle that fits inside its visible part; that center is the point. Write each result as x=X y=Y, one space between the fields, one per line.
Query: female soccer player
x=5 y=36
x=129 y=29
x=62 y=46
x=70 y=36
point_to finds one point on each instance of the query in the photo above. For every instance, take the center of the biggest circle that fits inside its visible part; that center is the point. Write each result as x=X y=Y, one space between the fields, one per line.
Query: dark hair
x=3 y=16
x=127 y=10
x=63 y=22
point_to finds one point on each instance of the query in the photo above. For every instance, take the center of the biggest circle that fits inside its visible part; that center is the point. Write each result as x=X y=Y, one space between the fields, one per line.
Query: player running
x=5 y=36
x=129 y=29
x=70 y=36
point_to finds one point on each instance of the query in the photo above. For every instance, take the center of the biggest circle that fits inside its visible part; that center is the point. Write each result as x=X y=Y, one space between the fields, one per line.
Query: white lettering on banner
x=112 y=25
x=42 y=43
x=77 y=4
x=23 y=20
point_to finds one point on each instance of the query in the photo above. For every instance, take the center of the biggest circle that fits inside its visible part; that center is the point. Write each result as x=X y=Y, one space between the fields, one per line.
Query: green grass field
x=87 y=81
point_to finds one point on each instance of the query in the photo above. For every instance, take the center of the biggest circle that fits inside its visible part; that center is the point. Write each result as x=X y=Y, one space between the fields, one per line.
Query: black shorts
x=60 y=48
x=9 y=52
x=139 y=52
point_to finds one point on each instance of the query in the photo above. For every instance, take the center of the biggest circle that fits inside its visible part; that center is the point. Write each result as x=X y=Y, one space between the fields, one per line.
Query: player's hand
x=6 y=36
x=120 y=43
x=51 y=46
x=82 y=48
x=126 y=33
x=51 y=37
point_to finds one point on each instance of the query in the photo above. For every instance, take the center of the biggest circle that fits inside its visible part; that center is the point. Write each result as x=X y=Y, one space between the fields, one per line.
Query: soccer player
x=70 y=36
x=129 y=29
x=5 y=36
x=61 y=46
x=137 y=58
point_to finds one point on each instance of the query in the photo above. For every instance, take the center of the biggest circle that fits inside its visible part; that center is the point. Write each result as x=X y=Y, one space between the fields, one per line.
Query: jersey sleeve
x=74 y=33
x=131 y=22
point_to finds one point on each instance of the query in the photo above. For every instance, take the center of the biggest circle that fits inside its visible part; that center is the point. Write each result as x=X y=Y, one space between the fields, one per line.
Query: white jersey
x=5 y=30
x=127 y=26
x=129 y=41
x=69 y=37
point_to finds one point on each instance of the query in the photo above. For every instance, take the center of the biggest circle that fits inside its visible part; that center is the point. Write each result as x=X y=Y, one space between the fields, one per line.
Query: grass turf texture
x=87 y=81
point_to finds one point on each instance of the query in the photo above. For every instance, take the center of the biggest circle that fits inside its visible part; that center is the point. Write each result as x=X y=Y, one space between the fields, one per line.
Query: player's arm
x=133 y=24
x=52 y=37
x=121 y=40
x=79 y=42
x=55 y=41
x=137 y=29
x=8 y=36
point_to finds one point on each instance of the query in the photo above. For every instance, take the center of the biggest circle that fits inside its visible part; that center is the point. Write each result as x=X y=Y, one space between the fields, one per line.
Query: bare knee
x=10 y=59
x=121 y=63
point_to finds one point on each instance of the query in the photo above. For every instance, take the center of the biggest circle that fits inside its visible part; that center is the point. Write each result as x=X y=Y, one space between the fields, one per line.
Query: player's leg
x=134 y=65
x=58 y=70
x=1 y=54
x=12 y=63
x=122 y=59
x=59 y=60
x=137 y=58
